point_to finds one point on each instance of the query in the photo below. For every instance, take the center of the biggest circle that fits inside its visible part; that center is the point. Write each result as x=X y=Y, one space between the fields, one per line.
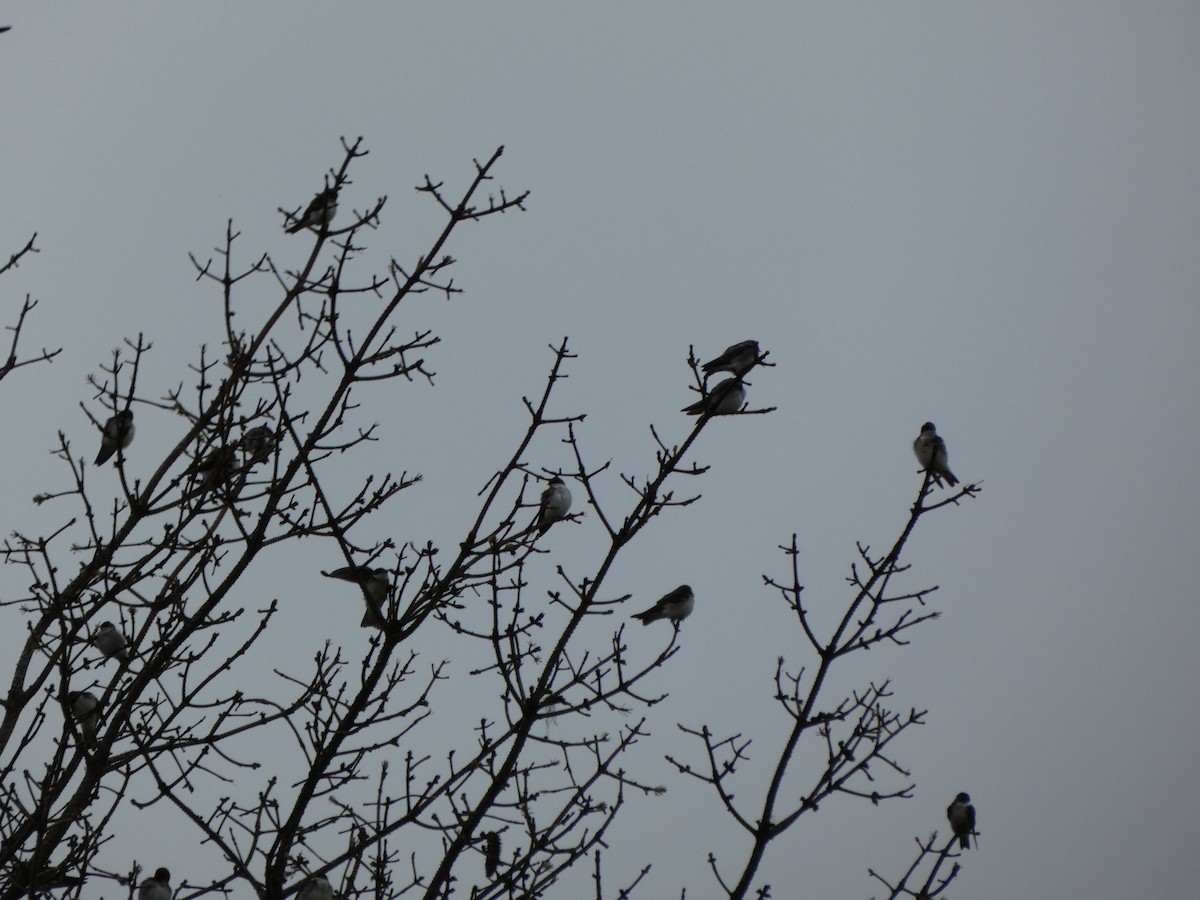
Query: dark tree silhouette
x=126 y=694
x=13 y=360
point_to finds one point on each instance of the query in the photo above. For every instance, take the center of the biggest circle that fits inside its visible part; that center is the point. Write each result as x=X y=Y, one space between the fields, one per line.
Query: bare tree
x=124 y=695
x=852 y=736
x=13 y=361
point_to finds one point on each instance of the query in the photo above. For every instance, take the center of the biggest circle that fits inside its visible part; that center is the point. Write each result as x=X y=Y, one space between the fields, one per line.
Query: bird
x=727 y=397
x=315 y=887
x=962 y=819
x=85 y=709
x=676 y=606
x=157 y=887
x=491 y=853
x=48 y=879
x=554 y=505
x=109 y=641
x=117 y=434
x=932 y=455
x=738 y=359
x=375 y=587
x=319 y=212
x=258 y=443
x=214 y=469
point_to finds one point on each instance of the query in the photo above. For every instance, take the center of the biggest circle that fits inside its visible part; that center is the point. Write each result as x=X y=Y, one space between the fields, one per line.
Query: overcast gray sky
x=981 y=214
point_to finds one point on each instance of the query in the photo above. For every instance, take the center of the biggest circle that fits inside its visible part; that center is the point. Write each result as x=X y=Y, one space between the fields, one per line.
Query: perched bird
x=375 y=587
x=727 y=397
x=85 y=709
x=554 y=505
x=214 y=469
x=109 y=641
x=319 y=213
x=116 y=434
x=491 y=853
x=932 y=455
x=737 y=359
x=315 y=887
x=157 y=887
x=48 y=879
x=258 y=444
x=675 y=606
x=962 y=819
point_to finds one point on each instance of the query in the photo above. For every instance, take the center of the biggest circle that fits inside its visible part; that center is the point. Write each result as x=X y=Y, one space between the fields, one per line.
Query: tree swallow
x=962 y=819
x=85 y=709
x=157 y=887
x=932 y=455
x=491 y=853
x=554 y=505
x=737 y=359
x=109 y=641
x=727 y=397
x=258 y=444
x=316 y=887
x=117 y=433
x=48 y=879
x=375 y=587
x=319 y=213
x=675 y=606
x=214 y=469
